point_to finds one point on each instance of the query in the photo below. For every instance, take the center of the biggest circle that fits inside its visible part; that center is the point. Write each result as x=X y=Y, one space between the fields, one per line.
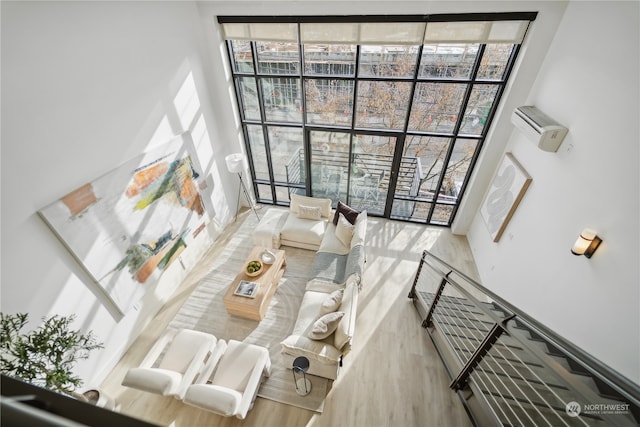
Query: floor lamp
x=236 y=164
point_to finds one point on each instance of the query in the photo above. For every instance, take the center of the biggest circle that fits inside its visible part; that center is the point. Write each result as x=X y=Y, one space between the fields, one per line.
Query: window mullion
x=306 y=140
x=239 y=101
x=356 y=80
x=456 y=129
x=501 y=85
x=265 y=130
x=399 y=149
x=353 y=114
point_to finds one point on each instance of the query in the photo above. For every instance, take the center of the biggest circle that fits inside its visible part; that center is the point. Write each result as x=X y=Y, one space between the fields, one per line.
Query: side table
x=303 y=384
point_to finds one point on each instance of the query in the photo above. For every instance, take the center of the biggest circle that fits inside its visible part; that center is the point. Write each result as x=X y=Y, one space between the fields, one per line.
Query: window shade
x=393 y=33
x=508 y=31
x=476 y=32
x=377 y=33
x=337 y=33
x=281 y=32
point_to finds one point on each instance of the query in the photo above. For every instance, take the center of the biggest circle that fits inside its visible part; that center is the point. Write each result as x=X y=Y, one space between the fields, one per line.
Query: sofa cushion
x=214 y=398
x=324 y=286
x=340 y=269
x=235 y=368
x=309 y=212
x=346 y=328
x=344 y=231
x=325 y=325
x=185 y=347
x=360 y=230
x=314 y=350
x=154 y=380
x=267 y=233
x=349 y=213
x=332 y=302
x=323 y=204
x=303 y=230
x=308 y=312
x=331 y=243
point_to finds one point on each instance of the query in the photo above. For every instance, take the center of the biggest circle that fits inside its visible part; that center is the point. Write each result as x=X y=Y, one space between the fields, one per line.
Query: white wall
x=589 y=83
x=85 y=87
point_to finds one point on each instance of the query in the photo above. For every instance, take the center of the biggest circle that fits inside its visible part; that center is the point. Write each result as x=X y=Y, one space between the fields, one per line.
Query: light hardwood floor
x=393 y=376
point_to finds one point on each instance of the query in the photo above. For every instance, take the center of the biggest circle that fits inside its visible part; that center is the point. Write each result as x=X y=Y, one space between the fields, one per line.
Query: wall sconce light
x=586 y=244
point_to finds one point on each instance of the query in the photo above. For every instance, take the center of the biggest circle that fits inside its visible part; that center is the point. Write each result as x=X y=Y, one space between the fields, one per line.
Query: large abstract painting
x=128 y=226
x=507 y=189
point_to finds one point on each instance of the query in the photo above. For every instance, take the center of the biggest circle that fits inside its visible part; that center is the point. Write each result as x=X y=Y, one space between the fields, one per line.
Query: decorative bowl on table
x=268 y=257
x=253 y=268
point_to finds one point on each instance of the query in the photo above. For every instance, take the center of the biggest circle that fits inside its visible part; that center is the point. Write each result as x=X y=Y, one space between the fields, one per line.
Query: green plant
x=46 y=355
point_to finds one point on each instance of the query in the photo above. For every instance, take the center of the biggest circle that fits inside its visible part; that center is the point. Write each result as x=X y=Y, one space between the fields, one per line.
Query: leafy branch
x=44 y=356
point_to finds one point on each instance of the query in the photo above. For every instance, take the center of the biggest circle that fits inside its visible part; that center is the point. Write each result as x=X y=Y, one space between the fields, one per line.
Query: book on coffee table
x=247 y=289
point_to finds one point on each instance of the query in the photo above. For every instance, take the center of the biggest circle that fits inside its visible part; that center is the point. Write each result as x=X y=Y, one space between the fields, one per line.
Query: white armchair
x=185 y=355
x=235 y=383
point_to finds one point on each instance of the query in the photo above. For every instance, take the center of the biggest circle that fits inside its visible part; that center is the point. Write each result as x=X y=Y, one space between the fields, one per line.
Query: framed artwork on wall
x=128 y=226
x=507 y=189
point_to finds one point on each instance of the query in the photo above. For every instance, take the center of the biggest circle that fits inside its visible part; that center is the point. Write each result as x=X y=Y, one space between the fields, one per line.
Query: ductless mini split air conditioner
x=541 y=129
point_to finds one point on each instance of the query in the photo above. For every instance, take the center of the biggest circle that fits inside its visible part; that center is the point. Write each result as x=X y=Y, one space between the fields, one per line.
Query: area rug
x=204 y=311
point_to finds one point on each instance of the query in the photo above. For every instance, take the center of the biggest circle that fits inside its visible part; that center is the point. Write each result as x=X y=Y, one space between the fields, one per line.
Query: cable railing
x=508 y=369
x=366 y=164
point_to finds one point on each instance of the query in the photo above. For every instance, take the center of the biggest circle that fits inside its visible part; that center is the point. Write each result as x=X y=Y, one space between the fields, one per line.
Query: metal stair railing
x=509 y=369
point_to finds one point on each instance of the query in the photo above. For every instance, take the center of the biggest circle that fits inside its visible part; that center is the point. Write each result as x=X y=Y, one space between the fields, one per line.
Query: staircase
x=508 y=369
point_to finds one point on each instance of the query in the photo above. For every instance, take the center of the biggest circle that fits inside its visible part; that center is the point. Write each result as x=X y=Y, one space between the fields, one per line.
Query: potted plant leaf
x=44 y=356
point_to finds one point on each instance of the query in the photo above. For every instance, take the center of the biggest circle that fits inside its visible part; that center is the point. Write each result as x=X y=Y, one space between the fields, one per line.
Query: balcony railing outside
x=367 y=184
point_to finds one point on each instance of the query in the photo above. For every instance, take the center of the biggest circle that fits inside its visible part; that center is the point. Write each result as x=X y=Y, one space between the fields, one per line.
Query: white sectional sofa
x=337 y=270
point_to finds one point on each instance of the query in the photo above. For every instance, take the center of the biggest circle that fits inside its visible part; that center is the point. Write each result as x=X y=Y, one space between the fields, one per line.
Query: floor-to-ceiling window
x=387 y=114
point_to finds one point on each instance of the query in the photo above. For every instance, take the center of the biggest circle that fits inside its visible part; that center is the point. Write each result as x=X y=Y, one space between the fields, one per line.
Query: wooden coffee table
x=255 y=308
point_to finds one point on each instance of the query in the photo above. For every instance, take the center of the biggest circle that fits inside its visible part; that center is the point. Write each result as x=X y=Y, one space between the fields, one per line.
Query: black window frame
x=302 y=77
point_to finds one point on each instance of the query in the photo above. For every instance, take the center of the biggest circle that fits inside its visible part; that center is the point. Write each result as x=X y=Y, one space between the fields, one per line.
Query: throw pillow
x=332 y=302
x=344 y=231
x=348 y=212
x=309 y=212
x=323 y=204
x=325 y=325
x=360 y=229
